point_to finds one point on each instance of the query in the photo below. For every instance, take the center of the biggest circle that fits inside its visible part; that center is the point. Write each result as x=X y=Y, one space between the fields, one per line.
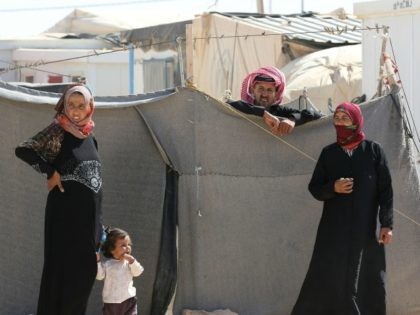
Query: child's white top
x=118 y=275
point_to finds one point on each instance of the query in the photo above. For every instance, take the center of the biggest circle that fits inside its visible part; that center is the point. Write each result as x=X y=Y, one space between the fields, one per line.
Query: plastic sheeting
x=246 y=222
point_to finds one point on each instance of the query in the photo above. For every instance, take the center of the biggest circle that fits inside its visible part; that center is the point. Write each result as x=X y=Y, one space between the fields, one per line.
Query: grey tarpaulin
x=246 y=222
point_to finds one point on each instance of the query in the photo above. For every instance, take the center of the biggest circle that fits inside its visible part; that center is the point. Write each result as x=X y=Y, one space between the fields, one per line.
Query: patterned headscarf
x=80 y=129
x=350 y=137
x=267 y=74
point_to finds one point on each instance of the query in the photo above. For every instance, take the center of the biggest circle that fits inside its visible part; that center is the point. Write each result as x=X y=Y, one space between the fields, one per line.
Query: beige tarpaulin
x=221 y=62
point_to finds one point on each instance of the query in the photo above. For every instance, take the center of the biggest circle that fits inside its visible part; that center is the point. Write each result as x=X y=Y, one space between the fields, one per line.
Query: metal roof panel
x=308 y=27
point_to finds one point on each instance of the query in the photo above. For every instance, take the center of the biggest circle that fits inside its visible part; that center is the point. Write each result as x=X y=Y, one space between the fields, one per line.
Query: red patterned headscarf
x=264 y=73
x=350 y=137
x=80 y=129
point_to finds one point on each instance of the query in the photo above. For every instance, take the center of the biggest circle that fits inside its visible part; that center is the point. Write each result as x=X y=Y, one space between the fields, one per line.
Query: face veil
x=350 y=136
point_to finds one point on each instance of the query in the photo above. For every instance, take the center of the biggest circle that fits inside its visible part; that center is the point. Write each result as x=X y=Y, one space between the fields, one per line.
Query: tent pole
x=260 y=6
x=381 y=61
x=131 y=68
x=181 y=61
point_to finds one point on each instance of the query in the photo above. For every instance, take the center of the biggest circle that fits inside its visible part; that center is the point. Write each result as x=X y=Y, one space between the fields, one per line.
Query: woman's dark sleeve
x=320 y=186
x=29 y=156
x=385 y=192
x=41 y=150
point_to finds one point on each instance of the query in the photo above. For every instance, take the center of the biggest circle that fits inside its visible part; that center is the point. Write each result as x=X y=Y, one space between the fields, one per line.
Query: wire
x=82 y=6
x=36 y=64
x=95 y=53
x=327 y=30
x=406 y=100
x=40 y=63
x=40 y=70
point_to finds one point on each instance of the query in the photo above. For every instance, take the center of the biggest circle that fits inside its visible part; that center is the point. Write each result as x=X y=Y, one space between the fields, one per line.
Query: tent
x=334 y=73
x=98 y=22
x=216 y=205
x=81 y=21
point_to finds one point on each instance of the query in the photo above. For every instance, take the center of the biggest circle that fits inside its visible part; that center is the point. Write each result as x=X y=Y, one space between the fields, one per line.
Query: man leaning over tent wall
x=261 y=95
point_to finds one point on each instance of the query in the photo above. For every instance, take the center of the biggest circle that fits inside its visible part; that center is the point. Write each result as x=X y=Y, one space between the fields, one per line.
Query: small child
x=119 y=294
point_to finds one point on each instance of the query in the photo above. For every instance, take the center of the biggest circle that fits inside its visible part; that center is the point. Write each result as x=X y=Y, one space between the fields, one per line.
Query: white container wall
x=403 y=19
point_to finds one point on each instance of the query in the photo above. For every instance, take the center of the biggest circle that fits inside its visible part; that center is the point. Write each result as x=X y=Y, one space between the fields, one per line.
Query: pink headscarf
x=350 y=137
x=270 y=72
x=83 y=128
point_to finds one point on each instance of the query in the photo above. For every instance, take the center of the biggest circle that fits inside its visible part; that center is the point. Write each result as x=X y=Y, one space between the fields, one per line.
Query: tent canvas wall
x=220 y=63
x=246 y=222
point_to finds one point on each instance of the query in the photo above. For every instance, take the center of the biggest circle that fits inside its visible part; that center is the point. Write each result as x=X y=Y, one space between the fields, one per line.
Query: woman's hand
x=343 y=185
x=385 y=236
x=55 y=180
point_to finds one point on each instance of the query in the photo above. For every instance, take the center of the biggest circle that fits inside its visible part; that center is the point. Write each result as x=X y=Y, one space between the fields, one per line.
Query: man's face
x=264 y=93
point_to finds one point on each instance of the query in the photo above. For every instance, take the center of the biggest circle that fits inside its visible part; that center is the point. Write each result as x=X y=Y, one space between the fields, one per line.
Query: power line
x=139 y=45
x=105 y=4
x=34 y=65
x=327 y=30
x=33 y=68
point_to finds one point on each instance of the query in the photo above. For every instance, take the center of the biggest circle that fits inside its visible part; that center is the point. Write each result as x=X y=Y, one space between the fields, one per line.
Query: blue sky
x=28 y=17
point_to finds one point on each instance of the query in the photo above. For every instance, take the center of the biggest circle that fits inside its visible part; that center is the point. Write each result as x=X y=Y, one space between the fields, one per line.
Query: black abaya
x=72 y=219
x=347 y=271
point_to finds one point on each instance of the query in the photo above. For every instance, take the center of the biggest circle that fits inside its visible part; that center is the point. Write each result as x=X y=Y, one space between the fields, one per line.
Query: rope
x=406 y=101
x=298 y=150
x=95 y=53
x=267 y=131
x=407 y=217
x=36 y=64
x=332 y=31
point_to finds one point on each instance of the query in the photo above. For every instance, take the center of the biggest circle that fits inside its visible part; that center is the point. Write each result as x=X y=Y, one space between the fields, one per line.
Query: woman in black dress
x=66 y=153
x=347 y=271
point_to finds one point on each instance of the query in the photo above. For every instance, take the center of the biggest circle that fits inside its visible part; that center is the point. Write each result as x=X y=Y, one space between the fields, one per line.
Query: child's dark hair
x=112 y=235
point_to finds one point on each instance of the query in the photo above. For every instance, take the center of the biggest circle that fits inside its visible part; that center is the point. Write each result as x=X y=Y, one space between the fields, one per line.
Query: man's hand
x=285 y=127
x=278 y=126
x=55 y=180
x=271 y=121
x=385 y=236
